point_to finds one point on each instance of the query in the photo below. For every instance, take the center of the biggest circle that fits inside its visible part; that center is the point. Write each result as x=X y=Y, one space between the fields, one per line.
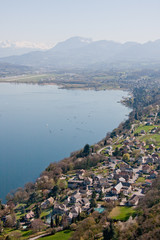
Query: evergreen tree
x=86 y=150
x=93 y=203
x=93 y=194
x=57 y=221
x=51 y=222
x=101 y=195
x=37 y=211
x=18 y=224
x=108 y=233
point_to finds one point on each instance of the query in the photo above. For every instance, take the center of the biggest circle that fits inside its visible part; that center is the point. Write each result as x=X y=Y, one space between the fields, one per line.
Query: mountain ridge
x=77 y=52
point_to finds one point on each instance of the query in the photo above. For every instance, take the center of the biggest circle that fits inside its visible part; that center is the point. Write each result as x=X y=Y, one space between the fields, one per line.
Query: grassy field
x=145 y=128
x=152 y=137
x=17 y=234
x=121 y=213
x=45 y=213
x=140 y=180
x=65 y=235
x=28 y=78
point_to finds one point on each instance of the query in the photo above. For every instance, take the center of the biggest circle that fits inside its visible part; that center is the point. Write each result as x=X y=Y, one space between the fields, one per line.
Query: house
x=109 y=148
x=155 y=157
x=146 y=169
x=85 y=190
x=123 y=166
x=109 y=141
x=96 y=178
x=80 y=172
x=104 y=182
x=143 y=132
x=59 y=209
x=126 y=188
x=29 y=215
x=151 y=146
x=153 y=130
x=87 y=181
x=153 y=174
x=47 y=203
x=133 y=201
x=143 y=144
x=76 y=196
x=123 y=175
x=148 y=182
x=149 y=160
x=85 y=203
x=99 y=188
x=111 y=198
x=141 y=160
x=76 y=210
x=123 y=202
x=127 y=174
x=149 y=123
x=121 y=179
x=117 y=189
x=73 y=183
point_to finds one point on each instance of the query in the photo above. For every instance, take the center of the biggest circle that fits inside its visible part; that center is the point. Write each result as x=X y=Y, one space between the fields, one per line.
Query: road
x=37 y=237
x=99 y=151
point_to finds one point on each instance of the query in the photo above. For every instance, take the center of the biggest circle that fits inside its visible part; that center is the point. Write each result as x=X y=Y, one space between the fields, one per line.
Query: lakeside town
x=126 y=166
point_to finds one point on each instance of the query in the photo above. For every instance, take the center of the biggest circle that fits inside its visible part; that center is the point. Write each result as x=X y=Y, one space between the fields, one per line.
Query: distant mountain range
x=9 y=48
x=78 y=53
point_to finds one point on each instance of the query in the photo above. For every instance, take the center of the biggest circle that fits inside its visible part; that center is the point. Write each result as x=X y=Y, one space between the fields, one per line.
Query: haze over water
x=43 y=124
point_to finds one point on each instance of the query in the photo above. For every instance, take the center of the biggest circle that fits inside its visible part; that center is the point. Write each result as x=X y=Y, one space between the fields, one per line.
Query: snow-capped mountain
x=9 y=48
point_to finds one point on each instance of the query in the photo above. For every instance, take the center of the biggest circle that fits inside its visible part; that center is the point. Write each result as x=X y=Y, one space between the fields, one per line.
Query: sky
x=52 y=21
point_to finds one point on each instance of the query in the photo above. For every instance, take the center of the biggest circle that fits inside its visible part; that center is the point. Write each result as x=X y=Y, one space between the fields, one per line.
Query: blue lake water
x=43 y=124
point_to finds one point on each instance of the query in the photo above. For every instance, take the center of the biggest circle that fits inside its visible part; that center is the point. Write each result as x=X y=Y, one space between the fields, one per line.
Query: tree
x=29 y=187
x=57 y=221
x=18 y=224
x=37 y=211
x=32 y=198
x=9 y=197
x=1 y=227
x=64 y=222
x=117 y=152
x=73 y=226
x=37 y=225
x=93 y=194
x=62 y=184
x=14 y=236
x=101 y=195
x=86 y=150
x=51 y=222
x=108 y=233
x=54 y=191
x=10 y=220
x=93 y=203
x=1 y=205
x=126 y=157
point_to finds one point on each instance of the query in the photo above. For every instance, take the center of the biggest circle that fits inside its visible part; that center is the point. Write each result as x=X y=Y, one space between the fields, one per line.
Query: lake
x=43 y=124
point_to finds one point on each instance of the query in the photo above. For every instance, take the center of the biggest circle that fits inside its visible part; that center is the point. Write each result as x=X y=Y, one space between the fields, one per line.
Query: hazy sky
x=51 y=21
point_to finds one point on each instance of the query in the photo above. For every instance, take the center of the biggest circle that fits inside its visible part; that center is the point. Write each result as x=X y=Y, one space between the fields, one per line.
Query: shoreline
x=100 y=140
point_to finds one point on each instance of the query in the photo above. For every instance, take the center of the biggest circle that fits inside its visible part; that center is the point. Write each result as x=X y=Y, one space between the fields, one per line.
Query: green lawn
x=19 y=215
x=19 y=206
x=144 y=127
x=121 y=213
x=45 y=213
x=65 y=235
x=140 y=180
x=155 y=137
